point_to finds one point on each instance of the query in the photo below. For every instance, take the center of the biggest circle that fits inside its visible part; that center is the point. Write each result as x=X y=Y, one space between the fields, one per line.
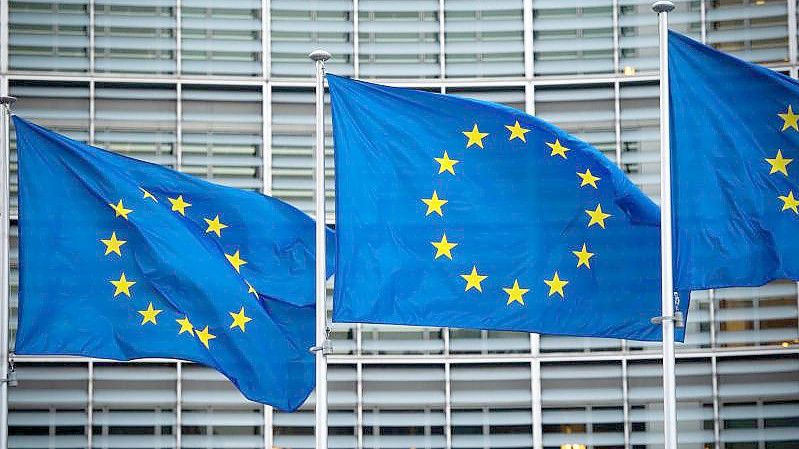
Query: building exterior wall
x=224 y=90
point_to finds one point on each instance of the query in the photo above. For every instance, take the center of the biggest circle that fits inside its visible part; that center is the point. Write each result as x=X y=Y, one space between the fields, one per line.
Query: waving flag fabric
x=735 y=141
x=462 y=213
x=122 y=259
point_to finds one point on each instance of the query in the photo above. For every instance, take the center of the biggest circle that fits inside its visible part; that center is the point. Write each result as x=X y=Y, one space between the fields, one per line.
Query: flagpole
x=662 y=8
x=319 y=57
x=5 y=129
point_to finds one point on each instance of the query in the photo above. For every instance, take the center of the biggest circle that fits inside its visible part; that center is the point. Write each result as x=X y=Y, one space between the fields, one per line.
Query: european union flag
x=735 y=138
x=122 y=259
x=463 y=213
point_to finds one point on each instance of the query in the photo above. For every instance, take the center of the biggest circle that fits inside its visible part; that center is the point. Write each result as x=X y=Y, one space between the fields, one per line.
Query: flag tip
x=319 y=55
x=662 y=6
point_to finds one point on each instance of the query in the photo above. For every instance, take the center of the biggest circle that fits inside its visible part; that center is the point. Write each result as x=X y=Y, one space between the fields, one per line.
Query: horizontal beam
x=342 y=359
x=309 y=83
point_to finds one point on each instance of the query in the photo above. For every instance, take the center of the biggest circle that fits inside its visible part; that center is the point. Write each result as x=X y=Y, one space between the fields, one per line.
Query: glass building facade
x=224 y=90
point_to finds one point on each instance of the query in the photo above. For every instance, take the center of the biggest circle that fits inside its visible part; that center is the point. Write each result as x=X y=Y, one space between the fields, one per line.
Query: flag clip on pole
x=677 y=317
x=662 y=8
x=319 y=57
x=6 y=376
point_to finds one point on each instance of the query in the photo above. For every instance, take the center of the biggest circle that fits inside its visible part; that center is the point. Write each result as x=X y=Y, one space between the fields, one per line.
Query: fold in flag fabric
x=121 y=259
x=734 y=137
x=462 y=213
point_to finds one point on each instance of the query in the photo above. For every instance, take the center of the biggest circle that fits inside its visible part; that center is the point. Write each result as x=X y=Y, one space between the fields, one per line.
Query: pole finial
x=319 y=55
x=7 y=100
x=662 y=6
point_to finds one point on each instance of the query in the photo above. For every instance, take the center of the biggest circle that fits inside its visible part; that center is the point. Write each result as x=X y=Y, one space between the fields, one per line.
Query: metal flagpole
x=5 y=129
x=319 y=57
x=662 y=8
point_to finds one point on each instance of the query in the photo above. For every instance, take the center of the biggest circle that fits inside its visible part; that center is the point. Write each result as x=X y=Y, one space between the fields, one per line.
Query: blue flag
x=735 y=145
x=463 y=213
x=122 y=259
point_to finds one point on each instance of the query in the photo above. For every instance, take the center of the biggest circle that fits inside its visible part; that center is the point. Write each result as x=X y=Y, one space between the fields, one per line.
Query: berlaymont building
x=224 y=90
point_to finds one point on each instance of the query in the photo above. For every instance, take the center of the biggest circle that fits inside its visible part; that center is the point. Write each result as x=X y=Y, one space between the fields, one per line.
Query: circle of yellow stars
x=123 y=285
x=595 y=217
x=779 y=164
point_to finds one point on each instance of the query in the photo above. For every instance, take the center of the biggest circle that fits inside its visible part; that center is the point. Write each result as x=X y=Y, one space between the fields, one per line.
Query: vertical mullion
x=359 y=405
x=797 y=303
x=760 y=422
x=356 y=41
x=527 y=17
x=716 y=424
x=90 y=405
x=713 y=368
x=266 y=138
x=486 y=424
x=92 y=37
x=4 y=52
x=617 y=119
x=712 y=317
x=178 y=37
x=358 y=339
x=703 y=20
x=179 y=405
x=625 y=397
x=792 y=32
x=616 y=49
x=266 y=38
x=442 y=52
x=447 y=405
x=179 y=126
x=535 y=389
x=529 y=98
x=268 y=412
x=92 y=112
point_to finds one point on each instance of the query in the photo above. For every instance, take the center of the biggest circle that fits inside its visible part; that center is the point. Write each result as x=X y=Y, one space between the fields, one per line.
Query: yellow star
x=473 y=280
x=215 y=226
x=779 y=164
x=148 y=195
x=123 y=285
x=446 y=164
x=583 y=257
x=112 y=245
x=185 y=326
x=236 y=260
x=516 y=294
x=516 y=131
x=475 y=137
x=444 y=248
x=588 y=178
x=178 y=205
x=555 y=285
x=149 y=314
x=120 y=210
x=434 y=204
x=558 y=149
x=239 y=319
x=597 y=216
x=789 y=119
x=251 y=289
x=789 y=202
x=205 y=336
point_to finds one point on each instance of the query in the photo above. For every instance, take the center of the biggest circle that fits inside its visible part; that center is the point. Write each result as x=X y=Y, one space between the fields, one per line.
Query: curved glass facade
x=224 y=90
